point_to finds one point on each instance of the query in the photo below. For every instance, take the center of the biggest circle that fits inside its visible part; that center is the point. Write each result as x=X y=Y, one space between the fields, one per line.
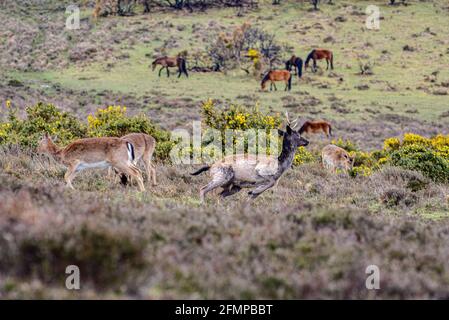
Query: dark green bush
x=423 y=159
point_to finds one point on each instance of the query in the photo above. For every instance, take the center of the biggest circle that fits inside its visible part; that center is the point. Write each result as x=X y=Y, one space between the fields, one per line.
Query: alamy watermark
x=372 y=22
x=72 y=22
x=373 y=280
x=72 y=282
x=207 y=145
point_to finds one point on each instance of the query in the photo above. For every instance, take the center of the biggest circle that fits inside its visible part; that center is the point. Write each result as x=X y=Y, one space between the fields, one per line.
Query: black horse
x=295 y=62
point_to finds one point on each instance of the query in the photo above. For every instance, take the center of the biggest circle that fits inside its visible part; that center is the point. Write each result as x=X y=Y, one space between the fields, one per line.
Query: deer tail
x=131 y=154
x=205 y=168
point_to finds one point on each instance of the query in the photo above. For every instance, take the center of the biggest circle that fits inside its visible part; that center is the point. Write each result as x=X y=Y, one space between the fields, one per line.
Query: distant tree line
x=129 y=7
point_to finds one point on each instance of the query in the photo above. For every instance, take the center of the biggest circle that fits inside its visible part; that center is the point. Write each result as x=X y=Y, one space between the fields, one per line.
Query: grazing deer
x=144 y=146
x=316 y=127
x=334 y=158
x=93 y=153
x=260 y=172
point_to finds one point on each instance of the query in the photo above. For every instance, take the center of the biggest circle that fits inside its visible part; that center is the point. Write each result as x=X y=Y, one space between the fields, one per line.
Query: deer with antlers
x=93 y=153
x=260 y=172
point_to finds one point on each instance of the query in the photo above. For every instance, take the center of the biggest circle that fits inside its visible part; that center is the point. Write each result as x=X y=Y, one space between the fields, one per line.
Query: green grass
x=404 y=70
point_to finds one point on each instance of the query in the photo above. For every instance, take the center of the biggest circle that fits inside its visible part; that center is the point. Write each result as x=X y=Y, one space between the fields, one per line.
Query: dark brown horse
x=167 y=62
x=277 y=75
x=295 y=62
x=318 y=54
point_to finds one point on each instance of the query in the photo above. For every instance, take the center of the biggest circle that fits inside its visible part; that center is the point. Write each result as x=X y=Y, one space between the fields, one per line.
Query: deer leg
x=70 y=175
x=257 y=191
x=132 y=171
x=221 y=178
x=230 y=191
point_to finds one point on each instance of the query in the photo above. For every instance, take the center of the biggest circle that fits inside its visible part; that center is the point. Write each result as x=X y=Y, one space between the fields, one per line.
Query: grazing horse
x=277 y=75
x=318 y=54
x=296 y=62
x=316 y=127
x=167 y=62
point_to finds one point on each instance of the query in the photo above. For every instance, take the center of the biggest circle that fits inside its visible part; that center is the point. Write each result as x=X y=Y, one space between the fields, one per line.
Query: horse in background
x=277 y=75
x=316 y=127
x=295 y=62
x=318 y=54
x=169 y=62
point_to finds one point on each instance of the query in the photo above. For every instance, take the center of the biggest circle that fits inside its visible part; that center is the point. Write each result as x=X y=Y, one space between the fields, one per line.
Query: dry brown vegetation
x=312 y=236
x=315 y=243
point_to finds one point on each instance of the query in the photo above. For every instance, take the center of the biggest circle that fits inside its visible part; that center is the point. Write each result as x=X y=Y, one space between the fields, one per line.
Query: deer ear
x=289 y=130
x=54 y=138
x=45 y=136
x=281 y=133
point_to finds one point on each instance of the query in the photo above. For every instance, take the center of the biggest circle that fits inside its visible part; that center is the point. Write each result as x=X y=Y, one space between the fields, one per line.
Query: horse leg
x=168 y=72
x=271 y=85
x=327 y=64
x=160 y=71
x=314 y=65
x=274 y=84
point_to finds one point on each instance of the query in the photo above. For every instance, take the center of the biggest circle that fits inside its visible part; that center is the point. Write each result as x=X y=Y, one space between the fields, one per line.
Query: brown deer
x=334 y=158
x=144 y=146
x=260 y=172
x=93 y=153
x=316 y=127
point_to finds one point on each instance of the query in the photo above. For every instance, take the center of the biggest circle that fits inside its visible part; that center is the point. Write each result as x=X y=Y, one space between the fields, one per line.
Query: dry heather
x=311 y=237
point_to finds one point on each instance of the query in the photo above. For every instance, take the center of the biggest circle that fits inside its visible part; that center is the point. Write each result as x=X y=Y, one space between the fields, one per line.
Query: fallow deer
x=144 y=146
x=93 y=153
x=334 y=157
x=260 y=172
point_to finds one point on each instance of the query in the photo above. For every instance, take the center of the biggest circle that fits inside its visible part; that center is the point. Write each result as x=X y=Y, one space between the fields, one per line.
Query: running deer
x=334 y=158
x=144 y=146
x=260 y=172
x=93 y=153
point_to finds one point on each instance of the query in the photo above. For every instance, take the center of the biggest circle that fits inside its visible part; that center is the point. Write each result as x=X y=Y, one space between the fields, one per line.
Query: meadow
x=312 y=236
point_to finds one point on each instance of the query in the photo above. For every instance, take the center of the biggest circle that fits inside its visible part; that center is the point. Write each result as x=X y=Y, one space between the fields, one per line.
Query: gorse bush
x=421 y=158
x=40 y=118
x=430 y=156
x=113 y=122
x=238 y=120
x=108 y=122
x=237 y=117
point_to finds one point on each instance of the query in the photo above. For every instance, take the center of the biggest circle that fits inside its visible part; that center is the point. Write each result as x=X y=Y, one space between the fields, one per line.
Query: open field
x=312 y=236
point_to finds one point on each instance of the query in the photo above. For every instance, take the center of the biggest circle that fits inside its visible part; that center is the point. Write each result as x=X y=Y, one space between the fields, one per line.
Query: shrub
x=427 y=155
x=40 y=118
x=113 y=122
x=104 y=257
x=348 y=145
x=108 y=122
x=303 y=156
x=238 y=119
x=420 y=158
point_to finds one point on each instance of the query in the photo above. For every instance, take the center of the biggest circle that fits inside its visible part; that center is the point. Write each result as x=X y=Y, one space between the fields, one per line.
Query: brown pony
x=277 y=75
x=167 y=62
x=316 y=127
x=318 y=54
